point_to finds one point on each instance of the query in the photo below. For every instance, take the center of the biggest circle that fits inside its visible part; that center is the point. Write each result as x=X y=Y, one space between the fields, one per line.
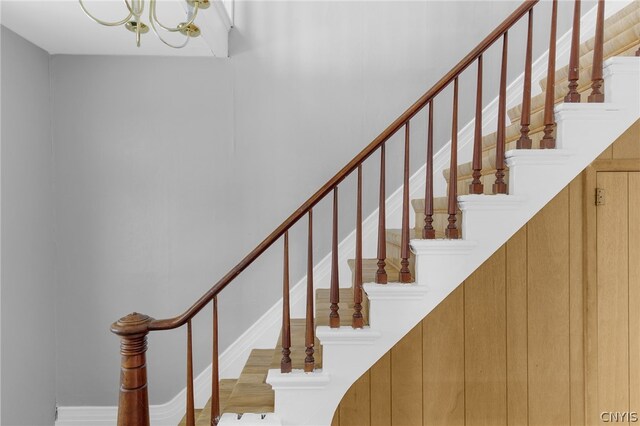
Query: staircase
x=317 y=358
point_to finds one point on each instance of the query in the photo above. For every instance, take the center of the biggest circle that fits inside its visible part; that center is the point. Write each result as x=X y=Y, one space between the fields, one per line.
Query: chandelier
x=133 y=20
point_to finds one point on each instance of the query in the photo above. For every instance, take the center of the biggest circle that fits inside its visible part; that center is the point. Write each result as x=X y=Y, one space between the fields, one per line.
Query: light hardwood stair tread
x=619 y=34
x=251 y=394
x=345 y=306
x=561 y=86
x=613 y=47
x=394 y=236
x=370 y=267
x=226 y=387
x=298 y=347
x=616 y=36
x=440 y=205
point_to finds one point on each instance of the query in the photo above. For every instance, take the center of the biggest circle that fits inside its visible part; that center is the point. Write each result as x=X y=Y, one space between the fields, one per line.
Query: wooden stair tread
x=394 y=236
x=345 y=306
x=618 y=41
x=622 y=38
x=198 y=413
x=226 y=387
x=251 y=394
x=370 y=267
x=440 y=205
x=561 y=87
x=298 y=347
x=618 y=36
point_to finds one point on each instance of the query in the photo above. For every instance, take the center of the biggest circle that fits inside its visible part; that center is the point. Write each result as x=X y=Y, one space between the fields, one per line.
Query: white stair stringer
x=535 y=177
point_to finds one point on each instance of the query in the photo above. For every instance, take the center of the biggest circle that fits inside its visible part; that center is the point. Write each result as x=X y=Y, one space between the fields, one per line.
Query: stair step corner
x=347 y=335
x=473 y=202
x=442 y=247
x=297 y=379
x=395 y=291
x=537 y=157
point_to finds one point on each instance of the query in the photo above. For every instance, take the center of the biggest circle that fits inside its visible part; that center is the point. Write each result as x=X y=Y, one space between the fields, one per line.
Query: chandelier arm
x=105 y=23
x=135 y=12
x=154 y=17
x=155 y=30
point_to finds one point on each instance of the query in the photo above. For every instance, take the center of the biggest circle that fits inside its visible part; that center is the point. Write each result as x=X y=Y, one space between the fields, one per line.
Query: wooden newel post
x=133 y=407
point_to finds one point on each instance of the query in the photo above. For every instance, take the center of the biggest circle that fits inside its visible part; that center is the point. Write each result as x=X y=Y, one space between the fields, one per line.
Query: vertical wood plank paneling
x=355 y=406
x=613 y=293
x=336 y=417
x=406 y=379
x=591 y=302
x=548 y=314
x=516 y=273
x=485 y=343
x=443 y=362
x=607 y=154
x=634 y=292
x=576 y=299
x=380 y=383
x=627 y=146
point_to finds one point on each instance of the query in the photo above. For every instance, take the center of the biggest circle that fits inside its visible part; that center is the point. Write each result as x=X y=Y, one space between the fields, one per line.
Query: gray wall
x=156 y=200
x=146 y=209
x=28 y=275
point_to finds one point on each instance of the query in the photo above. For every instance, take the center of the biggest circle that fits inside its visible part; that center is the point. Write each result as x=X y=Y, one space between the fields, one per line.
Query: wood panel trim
x=617 y=165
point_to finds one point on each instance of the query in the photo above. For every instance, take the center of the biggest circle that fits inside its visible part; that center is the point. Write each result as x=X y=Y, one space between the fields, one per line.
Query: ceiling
x=61 y=27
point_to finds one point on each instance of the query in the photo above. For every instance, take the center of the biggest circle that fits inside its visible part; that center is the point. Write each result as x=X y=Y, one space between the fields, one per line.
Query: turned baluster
x=285 y=363
x=574 y=59
x=133 y=406
x=428 y=232
x=215 y=375
x=309 y=336
x=500 y=186
x=334 y=295
x=405 y=274
x=596 y=72
x=548 y=140
x=358 y=320
x=381 y=273
x=451 y=231
x=525 y=118
x=476 y=186
x=191 y=409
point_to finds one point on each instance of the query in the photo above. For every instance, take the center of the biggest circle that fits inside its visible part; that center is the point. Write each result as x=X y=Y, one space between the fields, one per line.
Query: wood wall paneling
x=577 y=294
x=380 y=382
x=406 y=379
x=443 y=362
x=613 y=293
x=517 y=341
x=355 y=405
x=634 y=291
x=485 y=343
x=548 y=314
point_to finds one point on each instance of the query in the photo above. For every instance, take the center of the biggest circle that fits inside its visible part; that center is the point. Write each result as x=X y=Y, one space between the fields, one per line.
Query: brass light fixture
x=133 y=20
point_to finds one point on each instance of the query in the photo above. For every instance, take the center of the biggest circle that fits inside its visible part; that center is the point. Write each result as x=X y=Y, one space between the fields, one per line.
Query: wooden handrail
x=171 y=323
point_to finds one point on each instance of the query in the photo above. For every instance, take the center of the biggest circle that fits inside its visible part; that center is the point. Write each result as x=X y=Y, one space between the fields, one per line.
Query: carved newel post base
x=133 y=407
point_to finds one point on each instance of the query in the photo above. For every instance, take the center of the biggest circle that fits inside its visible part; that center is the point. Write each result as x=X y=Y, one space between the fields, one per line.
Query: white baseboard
x=264 y=332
